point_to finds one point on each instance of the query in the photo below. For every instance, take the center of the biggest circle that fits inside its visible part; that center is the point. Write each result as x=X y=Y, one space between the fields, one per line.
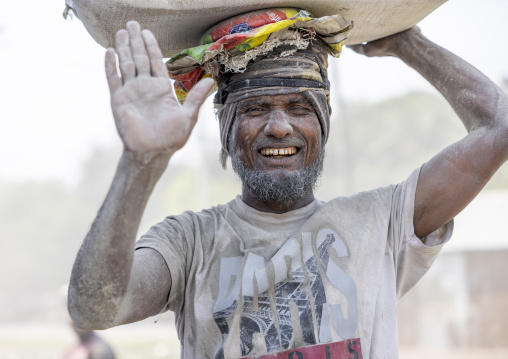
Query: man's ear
x=223 y=158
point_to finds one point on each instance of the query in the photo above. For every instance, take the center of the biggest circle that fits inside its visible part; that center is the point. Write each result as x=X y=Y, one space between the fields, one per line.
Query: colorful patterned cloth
x=230 y=45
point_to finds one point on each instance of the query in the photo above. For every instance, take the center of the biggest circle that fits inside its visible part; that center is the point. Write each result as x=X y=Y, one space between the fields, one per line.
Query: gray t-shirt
x=324 y=278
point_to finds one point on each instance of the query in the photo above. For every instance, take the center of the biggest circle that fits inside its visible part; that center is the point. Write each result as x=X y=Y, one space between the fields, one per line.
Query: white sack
x=179 y=24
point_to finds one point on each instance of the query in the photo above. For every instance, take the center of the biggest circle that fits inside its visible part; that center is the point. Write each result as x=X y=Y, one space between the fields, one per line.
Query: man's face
x=276 y=147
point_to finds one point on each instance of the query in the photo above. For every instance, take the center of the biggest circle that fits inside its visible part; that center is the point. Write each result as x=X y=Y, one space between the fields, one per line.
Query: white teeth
x=278 y=151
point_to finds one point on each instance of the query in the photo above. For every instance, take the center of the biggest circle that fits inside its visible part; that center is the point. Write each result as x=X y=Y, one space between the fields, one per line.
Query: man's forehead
x=274 y=99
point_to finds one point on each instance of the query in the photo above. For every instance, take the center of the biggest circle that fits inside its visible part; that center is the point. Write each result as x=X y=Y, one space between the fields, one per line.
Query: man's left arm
x=452 y=178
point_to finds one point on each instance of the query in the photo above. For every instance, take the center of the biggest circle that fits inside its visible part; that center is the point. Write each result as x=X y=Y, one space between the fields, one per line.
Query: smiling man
x=275 y=271
x=277 y=151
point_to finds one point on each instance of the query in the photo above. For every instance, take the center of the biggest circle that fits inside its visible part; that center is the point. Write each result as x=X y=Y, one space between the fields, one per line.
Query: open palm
x=147 y=114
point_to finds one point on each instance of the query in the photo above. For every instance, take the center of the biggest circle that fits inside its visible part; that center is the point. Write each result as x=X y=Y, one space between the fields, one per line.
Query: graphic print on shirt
x=298 y=292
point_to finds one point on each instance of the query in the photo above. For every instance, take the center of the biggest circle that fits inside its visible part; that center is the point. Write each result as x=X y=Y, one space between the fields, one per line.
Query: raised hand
x=152 y=126
x=386 y=46
x=147 y=115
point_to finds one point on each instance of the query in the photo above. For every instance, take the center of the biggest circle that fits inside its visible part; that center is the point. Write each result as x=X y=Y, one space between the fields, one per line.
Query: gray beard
x=279 y=186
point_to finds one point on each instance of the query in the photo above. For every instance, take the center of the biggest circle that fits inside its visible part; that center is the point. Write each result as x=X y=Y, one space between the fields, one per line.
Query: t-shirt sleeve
x=172 y=238
x=412 y=257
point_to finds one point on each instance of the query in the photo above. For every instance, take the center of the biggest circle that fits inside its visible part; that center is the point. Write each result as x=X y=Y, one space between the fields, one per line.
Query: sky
x=54 y=102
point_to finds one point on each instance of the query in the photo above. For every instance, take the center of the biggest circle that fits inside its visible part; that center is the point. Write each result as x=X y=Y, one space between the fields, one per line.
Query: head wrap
x=266 y=52
x=303 y=72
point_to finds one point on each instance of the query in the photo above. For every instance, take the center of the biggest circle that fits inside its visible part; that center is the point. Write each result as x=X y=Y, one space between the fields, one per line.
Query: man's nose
x=278 y=125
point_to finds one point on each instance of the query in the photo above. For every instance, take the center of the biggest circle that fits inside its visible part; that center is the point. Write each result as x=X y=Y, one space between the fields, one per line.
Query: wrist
x=405 y=42
x=148 y=159
x=148 y=164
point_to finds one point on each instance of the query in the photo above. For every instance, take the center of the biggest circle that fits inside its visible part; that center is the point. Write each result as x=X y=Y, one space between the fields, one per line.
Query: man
x=275 y=270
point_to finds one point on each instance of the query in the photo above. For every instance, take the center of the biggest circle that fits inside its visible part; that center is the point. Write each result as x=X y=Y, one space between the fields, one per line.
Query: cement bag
x=179 y=24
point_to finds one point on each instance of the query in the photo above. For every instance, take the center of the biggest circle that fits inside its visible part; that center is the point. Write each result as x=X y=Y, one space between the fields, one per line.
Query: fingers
x=137 y=45
x=372 y=49
x=127 y=66
x=158 y=68
x=138 y=53
x=357 y=48
x=197 y=96
x=114 y=80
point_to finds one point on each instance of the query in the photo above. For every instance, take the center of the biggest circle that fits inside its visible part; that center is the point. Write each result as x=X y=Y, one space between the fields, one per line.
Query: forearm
x=149 y=119
x=103 y=265
x=450 y=180
x=475 y=98
x=453 y=177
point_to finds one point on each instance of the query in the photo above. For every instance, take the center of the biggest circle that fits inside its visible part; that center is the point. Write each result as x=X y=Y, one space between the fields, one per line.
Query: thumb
x=197 y=96
x=360 y=48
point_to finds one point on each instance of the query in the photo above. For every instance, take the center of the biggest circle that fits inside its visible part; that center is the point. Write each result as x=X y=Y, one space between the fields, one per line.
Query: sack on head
x=178 y=25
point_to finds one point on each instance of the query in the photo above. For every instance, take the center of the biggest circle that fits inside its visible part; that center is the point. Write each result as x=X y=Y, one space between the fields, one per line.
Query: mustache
x=284 y=187
x=272 y=142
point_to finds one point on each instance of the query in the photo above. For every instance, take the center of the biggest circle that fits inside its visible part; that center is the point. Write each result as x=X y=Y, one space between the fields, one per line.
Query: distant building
x=463 y=300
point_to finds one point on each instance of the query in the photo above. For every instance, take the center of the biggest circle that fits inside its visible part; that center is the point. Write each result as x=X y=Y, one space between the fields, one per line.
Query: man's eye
x=300 y=110
x=254 y=109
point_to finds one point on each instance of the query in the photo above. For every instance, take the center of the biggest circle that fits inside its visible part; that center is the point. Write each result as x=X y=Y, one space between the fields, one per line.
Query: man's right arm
x=112 y=284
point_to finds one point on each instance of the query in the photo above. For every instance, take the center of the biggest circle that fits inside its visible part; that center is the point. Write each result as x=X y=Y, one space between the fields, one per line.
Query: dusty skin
x=111 y=284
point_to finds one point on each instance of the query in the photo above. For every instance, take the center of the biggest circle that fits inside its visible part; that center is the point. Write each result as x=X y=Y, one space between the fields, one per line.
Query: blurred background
x=59 y=149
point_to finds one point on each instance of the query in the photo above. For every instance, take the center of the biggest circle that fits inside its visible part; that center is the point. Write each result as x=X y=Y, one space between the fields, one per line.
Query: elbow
x=505 y=136
x=79 y=318
x=86 y=318
x=500 y=137
x=487 y=109
x=504 y=126
x=499 y=114
x=83 y=323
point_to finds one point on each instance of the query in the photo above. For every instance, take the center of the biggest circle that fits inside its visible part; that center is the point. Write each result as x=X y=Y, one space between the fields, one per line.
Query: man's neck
x=274 y=207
